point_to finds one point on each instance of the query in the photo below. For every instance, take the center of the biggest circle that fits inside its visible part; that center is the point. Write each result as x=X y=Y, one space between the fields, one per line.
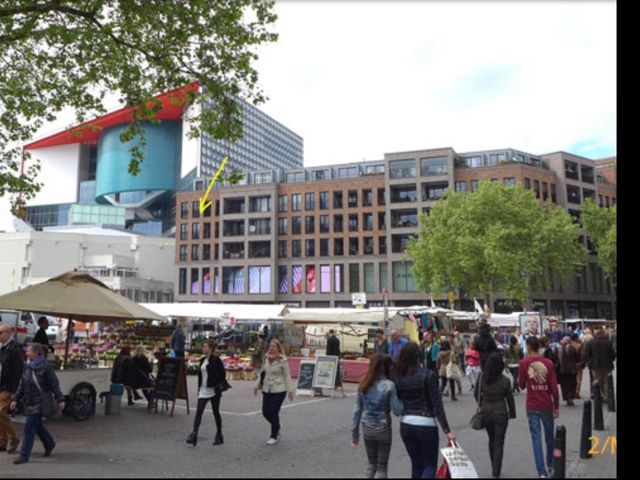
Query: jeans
x=496 y=426
x=32 y=428
x=215 y=406
x=378 y=455
x=422 y=446
x=514 y=374
x=443 y=386
x=536 y=439
x=271 y=404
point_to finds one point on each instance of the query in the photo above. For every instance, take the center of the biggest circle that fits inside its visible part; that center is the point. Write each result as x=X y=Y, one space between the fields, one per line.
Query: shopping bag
x=458 y=464
x=443 y=471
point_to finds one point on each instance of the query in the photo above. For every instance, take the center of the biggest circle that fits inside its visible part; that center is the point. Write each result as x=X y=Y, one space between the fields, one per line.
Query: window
x=553 y=193
x=587 y=174
x=474 y=185
x=510 y=181
x=260 y=204
x=434 y=167
x=206 y=252
x=496 y=158
x=183 y=253
x=233 y=250
x=233 y=228
x=195 y=249
x=320 y=175
x=283 y=224
x=403 y=280
x=282 y=249
x=403 y=193
x=349 y=172
x=367 y=198
x=294 y=177
x=296 y=225
x=260 y=249
x=382 y=223
x=195 y=281
x=206 y=233
x=354 y=278
x=573 y=194
x=354 y=246
x=296 y=202
x=337 y=199
x=402 y=169
x=369 y=278
x=282 y=203
x=260 y=226
x=283 y=280
x=184 y=210
x=373 y=169
x=368 y=245
x=296 y=249
x=461 y=186
x=232 y=280
x=324 y=247
x=259 y=279
x=195 y=210
x=399 y=243
x=233 y=205
x=383 y=277
x=606 y=202
x=404 y=218
x=353 y=222
x=311 y=248
x=367 y=221
x=536 y=188
x=309 y=201
x=474 y=162
x=337 y=223
x=382 y=245
x=338 y=283
x=324 y=200
x=600 y=201
x=527 y=183
x=324 y=224
x=381 y=197
x=216 y=231
x=311 y=279
x=310 y=225
x=297 y=279
x=264 y=177
x=586 y=193
x=571 y=170
x=545 y=191
x=325 y=279
x=182 y=282
x=433 y=191
x=353 y=198
x=184 y=231
x=338 y=247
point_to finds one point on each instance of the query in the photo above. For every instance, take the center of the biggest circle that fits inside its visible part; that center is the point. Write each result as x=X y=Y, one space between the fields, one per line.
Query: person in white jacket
x=275 y=382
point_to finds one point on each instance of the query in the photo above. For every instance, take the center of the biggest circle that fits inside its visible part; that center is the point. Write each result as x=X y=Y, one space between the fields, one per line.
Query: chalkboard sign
x=171 y=381
x=305 y=377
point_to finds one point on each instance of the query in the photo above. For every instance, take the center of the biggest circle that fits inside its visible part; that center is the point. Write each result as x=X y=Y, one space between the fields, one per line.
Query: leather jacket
x=420 y=396
x=29 y=394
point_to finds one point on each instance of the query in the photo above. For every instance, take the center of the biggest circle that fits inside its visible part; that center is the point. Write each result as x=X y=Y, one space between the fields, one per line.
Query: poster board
x=171 y=382
x=531 y=324
x=325 y=372
x=305 y=377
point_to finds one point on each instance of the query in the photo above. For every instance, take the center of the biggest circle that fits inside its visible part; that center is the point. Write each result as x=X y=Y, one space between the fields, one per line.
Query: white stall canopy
x=335 y=315
x=220 y=311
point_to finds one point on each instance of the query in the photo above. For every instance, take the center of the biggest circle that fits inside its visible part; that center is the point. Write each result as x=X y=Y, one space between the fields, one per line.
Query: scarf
x=33 y=364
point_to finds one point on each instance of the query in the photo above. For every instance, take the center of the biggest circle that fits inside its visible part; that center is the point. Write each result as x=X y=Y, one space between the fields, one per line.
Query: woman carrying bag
x=211 y=383
x=444 y=358
x=495 y=407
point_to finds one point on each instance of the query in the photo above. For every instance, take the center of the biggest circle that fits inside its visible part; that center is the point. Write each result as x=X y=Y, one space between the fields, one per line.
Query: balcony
x=404 y=194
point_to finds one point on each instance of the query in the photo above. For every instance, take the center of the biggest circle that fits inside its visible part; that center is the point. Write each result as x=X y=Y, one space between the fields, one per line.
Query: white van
x=25 y=324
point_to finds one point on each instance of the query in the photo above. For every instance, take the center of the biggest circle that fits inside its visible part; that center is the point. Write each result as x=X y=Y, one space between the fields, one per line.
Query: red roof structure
x=89 y=132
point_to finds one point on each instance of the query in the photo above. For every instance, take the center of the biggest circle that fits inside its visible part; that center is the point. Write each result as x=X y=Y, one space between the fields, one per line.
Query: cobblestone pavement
x=315 y=440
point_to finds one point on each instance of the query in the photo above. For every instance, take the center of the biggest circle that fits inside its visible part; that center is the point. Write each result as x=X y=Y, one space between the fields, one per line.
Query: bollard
x=598 y=418
x=585 y=435
x=611 y=401
x=559 y=452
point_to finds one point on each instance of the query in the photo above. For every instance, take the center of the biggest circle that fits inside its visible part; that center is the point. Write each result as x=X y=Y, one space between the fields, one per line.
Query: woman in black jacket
x=422 y=405
x=37 y=378
x=143 y=373
x=495 y=396
x=211 y=383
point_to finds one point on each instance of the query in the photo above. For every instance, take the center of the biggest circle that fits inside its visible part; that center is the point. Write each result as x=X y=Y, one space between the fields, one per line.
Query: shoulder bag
x=476 y=420
x=49 y=404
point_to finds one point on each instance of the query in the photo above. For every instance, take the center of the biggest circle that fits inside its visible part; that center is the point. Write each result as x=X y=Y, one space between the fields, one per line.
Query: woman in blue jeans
x=37 y=377
x=422 y=406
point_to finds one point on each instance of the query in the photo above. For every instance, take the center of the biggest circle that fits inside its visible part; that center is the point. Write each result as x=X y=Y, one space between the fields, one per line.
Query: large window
x=283 y=226
x=553 y=193
x=536 y=188
x=474 y=185
x=283 y=280
x=233 y=250
x=434 y=167
x=402 y=169
x=571 y=170
x=354 y=278
x=337 y=199
x=183 y=253
x=433 y=191
x=353 y=198
x=310 y=225
x=367 y=221
x=353 y=222
x=311 y=278
x=195 y=281
x=324 y=200
x=296 y=248
x=382 y=245
x=461 y=186
x=263 y=177
x=182 y=281
x=282 y=249
x=383 y=276
x=283 y=201
x=206 y=232
x=184 y=231
x=399 y=243
x=354 y=246
x=296 y=202
x=324 y=247
x=194 y=253
x=381 y=197
x=233 y=228
x=206 y=252
x=573 y=194
x=367 y=198
x=324 y=224
x=474 y=162
x=260 y=226
x=382 y=223
x=232 y=280
x=296 y=225
x=496 y=158
x=338 y=247
x=233 y=205
x=260 y=204
x=294 y=177
x=309 y=201
x=368 y=245
x=311 y=248
x=195 y=210
x=403 y=193
x=297 y=279
x=403 y=280
x=338 y=224
x=260 y=279
x=348 y=172
x=338 y=284
x=325 y=279
x=587 y=174
x=184 y=210
x=510 y=181
x=369 y=278
x=545 y=191
x=404 y=218
x=260 y=249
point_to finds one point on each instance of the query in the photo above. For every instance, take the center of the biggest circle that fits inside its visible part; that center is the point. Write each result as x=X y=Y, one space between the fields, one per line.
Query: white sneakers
x=272 y=441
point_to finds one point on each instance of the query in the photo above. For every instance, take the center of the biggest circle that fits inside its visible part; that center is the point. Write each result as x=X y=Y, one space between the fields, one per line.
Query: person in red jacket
x=537 y=374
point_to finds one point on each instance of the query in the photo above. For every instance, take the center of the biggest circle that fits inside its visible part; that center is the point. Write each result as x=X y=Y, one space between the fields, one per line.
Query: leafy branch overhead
x=61 y=54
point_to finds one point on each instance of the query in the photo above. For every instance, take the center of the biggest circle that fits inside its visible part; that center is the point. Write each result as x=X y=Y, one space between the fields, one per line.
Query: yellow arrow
x=203 y=200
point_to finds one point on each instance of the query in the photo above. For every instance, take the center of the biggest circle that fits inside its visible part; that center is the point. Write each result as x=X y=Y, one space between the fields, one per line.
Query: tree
x=59 y=54
x=497 y=239
x=600 y=224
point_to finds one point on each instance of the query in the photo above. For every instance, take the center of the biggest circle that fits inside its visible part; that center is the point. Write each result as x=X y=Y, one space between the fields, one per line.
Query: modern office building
x=85 y=176
x=311 y=237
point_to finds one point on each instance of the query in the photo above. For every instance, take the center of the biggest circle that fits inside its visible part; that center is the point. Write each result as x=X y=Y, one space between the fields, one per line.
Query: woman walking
x=38 y=378
x=422 y=405
x=429 y=352
x=444 y=358
x=494 y=395
x=569 y=358
x=211 y=383
x=275 y=384
x=375 y=399
x=513 y=355
x=472 y=359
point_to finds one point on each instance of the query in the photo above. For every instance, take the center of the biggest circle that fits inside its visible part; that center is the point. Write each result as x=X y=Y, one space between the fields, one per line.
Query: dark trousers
x=422 y=446
x=378 y=455
x=32 y=428
x=496 y=426
x=514 y=374
x=215 y=406
x=271 y=404
x=452 y=384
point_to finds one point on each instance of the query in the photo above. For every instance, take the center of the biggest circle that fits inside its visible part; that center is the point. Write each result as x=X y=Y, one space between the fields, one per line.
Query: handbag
x=222 y=386
x=476 y=420
x=453 y=371
x=49 y=404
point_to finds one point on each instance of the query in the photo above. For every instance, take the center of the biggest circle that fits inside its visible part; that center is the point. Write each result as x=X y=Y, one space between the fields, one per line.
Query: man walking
x=396 y=345
x=381 y=345
x=538 y=376
x=177 y=341
x=484 y=343
x=599 y=356
x=333 y=348
x=11 y=365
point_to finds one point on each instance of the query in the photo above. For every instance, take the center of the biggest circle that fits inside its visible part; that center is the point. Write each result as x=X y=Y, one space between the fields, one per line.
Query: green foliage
x=497 y=239
x=600 y=224
x=58 y=54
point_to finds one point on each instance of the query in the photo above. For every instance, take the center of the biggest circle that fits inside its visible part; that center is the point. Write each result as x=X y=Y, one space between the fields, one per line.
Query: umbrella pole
x=66 y=346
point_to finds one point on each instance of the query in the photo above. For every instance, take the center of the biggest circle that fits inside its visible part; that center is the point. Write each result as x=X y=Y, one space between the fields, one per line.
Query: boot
x=219 y=440
x=192 y=438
